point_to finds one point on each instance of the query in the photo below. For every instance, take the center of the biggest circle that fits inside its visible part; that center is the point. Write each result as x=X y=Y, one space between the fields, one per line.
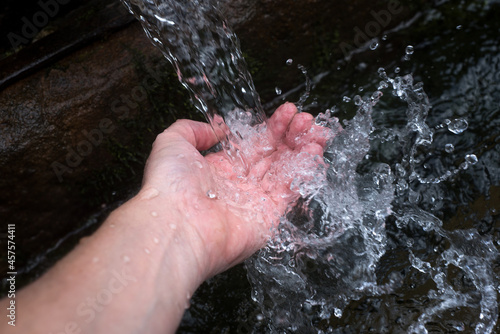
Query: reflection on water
x=403 y=236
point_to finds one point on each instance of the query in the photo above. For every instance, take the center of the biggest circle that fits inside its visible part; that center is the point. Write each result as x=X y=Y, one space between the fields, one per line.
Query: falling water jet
x=208 y=61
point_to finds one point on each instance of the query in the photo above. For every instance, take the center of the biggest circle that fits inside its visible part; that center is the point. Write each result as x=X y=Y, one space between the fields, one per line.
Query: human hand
x=228 y=216
x=195 y=216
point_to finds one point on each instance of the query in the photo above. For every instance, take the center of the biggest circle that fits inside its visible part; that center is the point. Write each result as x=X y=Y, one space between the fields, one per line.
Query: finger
x=313 y=149
x=304 y=131
x=198 y=134
x=279 y=121
x=318 y=134
x=260 y=169
x=301 y=123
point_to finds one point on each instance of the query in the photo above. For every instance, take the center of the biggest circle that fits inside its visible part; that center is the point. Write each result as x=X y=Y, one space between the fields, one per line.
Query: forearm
x=132 y=276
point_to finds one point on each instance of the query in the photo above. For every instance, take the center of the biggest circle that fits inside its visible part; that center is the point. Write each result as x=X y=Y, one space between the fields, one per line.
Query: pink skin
x=233 y=227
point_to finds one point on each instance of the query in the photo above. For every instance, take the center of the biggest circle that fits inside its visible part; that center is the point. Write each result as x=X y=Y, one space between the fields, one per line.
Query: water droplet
x=457 y=126
x=459 y=27
x=259 y=317
x=382 y=85
x=410 y=242
x=180 y=156
x=277 y=90
x=211 y=194
x=464 y=165
x=337 y=312
x=289 y=62
x=198 y=164
x=173 y=226
x=346 y=99
x=357 y=100
x=147 y=251
x=409 y=50
x=154 y=213
x=376 y=96
x=449 y=148
x=382 y=73
x=126 y=259
x=374 y=46
x=384 y=38
x=471 y=158
x=156 y=240
x=397 y=70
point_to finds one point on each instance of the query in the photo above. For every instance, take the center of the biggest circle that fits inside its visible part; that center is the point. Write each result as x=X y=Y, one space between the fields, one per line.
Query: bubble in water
x=289 y=62
x=459 y=27
x=384 y=38
x=449 y=148
x=457 y=126
x=374 y=46
x=346 y=99
x=471 y=158
x=397 y=70
x=277 y=90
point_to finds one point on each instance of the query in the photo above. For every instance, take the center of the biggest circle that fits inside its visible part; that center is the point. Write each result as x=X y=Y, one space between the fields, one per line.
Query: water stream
x=372 y=248
x=206 y=55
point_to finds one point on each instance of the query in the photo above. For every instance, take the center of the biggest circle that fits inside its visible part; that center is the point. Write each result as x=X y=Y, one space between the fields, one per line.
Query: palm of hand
x=233 y=213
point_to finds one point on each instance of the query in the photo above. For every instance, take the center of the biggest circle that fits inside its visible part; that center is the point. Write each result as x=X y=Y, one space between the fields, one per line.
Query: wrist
x=163 y=221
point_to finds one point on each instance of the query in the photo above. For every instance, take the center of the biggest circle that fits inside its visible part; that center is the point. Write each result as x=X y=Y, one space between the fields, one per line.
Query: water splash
x=333 y=248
